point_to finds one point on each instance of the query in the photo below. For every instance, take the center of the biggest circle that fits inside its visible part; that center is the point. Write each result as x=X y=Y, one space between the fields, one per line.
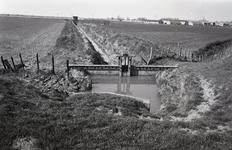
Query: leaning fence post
x=186 y=56
x=37 y=60
x=21 y=60
x=3 y=62
x=13 y=63
x=53 y=66
x=174 y=51
x=67 y=69
x=180 y=52
x=168 y=50
x=161 y=52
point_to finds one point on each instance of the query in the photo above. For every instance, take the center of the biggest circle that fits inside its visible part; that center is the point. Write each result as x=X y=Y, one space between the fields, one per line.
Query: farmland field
x=191 y=38
x=28 y=36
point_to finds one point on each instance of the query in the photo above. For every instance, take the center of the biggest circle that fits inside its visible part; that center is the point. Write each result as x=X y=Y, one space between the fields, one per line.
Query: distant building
x=184 y=22
x=206 y=23
x=170 y=21
x=175 y=22
x=190 y=23
x=197 y=23
x=166 y=22
x=219 y=24
x=153 y=21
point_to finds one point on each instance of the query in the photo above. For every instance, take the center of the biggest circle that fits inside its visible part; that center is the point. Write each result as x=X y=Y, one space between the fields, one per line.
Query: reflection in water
x=137 y=86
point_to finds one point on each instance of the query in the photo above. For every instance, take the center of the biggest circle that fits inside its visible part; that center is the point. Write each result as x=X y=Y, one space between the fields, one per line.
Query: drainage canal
x=142 y=87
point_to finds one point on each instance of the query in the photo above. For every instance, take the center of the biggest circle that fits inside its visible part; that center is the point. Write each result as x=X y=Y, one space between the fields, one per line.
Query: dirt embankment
x=113 y=44
x=197 y=94
x=72 y=46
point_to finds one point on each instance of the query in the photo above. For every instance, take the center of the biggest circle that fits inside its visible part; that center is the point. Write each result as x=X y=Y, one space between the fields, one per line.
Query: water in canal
x=137 y=86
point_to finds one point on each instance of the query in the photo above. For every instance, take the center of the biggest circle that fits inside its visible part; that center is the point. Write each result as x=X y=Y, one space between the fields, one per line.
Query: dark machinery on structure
x=75 y=19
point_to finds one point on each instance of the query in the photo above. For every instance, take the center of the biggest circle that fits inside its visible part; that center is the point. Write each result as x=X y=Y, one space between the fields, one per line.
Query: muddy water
x=142 y=87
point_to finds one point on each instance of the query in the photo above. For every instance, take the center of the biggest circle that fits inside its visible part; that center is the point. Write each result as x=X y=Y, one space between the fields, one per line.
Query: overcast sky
x=213 y=10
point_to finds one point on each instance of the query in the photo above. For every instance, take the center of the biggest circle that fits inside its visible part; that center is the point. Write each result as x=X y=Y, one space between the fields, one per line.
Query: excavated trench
x=185 y=94
x=137 y=87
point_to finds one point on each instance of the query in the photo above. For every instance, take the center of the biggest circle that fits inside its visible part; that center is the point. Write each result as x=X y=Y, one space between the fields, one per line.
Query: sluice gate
x=124 y=67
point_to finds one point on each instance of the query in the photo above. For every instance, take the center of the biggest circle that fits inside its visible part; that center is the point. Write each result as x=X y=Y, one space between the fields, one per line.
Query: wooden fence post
x=53 y=66
x=168 y=50
x=3 y=62
x=180 y=52
x=13 y=63
x=185 y=55
x=67 y=69
x=174 y=51
x=162 y=52
x=37 y=60
x=21 y=60
x=190 y=55
x=151 y=52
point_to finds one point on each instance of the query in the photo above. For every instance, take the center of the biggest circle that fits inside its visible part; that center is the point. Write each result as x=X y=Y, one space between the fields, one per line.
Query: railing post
x=53 y=66
x=67 y=69
x=129 y=66
x=37 y=62
x=120 y=66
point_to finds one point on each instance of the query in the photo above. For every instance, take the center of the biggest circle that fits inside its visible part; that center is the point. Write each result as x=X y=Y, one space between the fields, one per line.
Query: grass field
x=191 y=38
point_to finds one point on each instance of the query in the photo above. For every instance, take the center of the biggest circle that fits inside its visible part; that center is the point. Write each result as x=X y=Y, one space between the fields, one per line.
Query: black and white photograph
x=115 y=75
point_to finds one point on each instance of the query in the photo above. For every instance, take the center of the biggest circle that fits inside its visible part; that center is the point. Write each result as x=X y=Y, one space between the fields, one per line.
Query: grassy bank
x=91 y=121
x=199 y=93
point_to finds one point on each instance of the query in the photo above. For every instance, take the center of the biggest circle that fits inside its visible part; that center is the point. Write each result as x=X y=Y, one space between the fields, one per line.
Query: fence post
x=174 y=51
x=151 y=51
x=185 y=55
x=3 y=62
x=67 y=69
x=161 y=52
x=21 y=60
x=37 y=60
x=180 y=52
x=13 y=63
x=168 y=50
x=53 y=66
